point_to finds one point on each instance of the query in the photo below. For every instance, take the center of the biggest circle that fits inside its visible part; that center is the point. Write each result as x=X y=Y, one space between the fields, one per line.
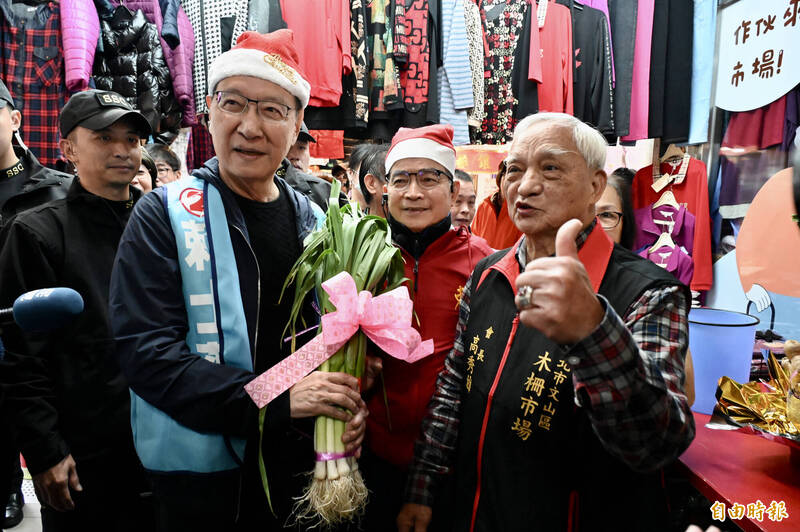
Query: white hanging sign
x=759 y=53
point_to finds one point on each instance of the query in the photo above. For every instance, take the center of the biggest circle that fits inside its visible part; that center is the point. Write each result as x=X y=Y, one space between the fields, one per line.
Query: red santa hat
x=271 y=56
x=430 y=142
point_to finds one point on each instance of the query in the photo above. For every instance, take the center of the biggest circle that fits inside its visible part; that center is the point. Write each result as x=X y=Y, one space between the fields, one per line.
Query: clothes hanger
x=667 y=198
x=664 y=240
x=672 y=152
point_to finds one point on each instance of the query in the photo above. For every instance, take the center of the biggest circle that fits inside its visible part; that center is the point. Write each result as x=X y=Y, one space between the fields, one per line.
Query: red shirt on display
x=759 y=128
x=693 y=192
x=322 y=37
x=554 y=47
x=329 y=144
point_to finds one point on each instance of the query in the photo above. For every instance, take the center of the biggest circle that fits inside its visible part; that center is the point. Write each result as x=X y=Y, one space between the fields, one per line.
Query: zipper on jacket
x=416 y=255
x=489 y=399
x=416 y=274
x=258 y=298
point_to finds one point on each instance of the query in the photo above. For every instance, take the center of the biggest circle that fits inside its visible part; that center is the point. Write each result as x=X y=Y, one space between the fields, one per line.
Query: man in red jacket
x=439 y=260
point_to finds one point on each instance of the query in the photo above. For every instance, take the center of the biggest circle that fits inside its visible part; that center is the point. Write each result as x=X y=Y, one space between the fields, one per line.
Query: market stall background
x=635 y=69
x=720 y=78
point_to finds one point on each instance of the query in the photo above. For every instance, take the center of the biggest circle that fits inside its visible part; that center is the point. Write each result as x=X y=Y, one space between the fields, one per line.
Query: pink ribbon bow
x=385 y=319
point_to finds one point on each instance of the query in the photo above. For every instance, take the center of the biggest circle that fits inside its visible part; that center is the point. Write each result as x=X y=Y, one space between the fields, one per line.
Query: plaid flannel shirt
x=200 y=149
x=32 y=67
x=628 y=377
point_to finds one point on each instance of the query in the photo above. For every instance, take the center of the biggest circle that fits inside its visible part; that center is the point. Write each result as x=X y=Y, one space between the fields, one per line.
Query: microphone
x=44 y=309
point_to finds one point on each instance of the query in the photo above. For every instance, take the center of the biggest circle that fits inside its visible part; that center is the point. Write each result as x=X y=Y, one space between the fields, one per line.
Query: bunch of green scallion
x=362 y=246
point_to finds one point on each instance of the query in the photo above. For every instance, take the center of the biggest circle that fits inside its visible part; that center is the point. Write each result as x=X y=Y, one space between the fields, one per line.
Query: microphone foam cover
x=47 y=308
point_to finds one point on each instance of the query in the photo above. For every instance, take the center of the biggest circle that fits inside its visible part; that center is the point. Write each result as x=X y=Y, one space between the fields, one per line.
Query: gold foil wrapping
x=762 y=405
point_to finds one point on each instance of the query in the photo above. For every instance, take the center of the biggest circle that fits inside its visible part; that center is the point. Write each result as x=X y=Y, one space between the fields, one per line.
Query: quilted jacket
x=132 y=64
x=80 y=29
x=177 y=43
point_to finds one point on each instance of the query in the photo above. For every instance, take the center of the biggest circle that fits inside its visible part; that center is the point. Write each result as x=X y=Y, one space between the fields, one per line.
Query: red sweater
x=443 y=270
x=322 y=37
x=555 y=39
x=498 y=229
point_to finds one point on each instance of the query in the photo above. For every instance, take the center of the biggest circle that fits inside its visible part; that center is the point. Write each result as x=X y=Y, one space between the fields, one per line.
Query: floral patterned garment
x=503 y=20
x=385 y=91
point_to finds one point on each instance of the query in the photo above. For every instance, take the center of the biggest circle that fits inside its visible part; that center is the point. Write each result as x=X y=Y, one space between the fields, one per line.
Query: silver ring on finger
x=524 y=297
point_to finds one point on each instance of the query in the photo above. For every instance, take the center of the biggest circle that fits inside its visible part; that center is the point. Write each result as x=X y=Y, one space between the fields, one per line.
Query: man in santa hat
x=197 y=314
x=420 y=166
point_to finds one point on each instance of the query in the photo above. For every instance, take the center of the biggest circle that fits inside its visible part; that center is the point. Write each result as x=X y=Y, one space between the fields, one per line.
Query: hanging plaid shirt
x=200 y=149
x=635 y=359
x=32 y=67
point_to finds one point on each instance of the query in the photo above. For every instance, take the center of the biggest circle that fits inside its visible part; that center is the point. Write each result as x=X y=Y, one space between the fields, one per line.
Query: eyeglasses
x=164 y=170
x=609 y=219
x=427 y=179
x=236 y=104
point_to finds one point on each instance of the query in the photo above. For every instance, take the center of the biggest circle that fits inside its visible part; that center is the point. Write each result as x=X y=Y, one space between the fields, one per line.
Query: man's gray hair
x=591 y=144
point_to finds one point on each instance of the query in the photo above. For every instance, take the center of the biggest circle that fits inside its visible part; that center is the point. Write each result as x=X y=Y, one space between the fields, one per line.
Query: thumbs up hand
x=565 y=239
x=563 y=305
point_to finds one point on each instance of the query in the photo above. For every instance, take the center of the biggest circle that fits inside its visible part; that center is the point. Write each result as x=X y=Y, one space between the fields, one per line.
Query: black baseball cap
x=5 y=96
x=305 y=135
x=95 y=109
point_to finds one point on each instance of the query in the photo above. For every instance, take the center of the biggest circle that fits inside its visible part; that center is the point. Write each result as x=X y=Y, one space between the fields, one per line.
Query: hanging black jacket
x=314 y=188
x=593 y=84
x=42 y=185
x=131 y=63
x=65 y=387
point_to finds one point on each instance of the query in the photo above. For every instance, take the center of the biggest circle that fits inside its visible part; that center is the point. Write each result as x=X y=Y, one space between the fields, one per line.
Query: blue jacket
x=148 y=318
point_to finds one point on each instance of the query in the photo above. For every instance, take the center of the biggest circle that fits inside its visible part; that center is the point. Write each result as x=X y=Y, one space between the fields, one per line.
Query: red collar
x=594 y=254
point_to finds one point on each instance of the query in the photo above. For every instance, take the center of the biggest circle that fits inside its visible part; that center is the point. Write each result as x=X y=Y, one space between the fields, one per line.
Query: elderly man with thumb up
x=563 y=394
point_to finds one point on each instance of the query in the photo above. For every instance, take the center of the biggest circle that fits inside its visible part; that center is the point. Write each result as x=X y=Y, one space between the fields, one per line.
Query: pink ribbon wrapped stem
x=385 y=319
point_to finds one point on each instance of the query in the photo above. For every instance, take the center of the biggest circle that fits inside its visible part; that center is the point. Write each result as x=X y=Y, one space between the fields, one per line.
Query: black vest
x=541 y=466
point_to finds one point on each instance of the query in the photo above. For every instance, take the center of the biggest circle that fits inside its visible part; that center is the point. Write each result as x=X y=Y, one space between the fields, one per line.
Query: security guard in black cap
x=70 y=402
x=24 y=183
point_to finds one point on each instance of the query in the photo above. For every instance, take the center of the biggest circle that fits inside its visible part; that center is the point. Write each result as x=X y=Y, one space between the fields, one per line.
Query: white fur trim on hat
x=424 y=148
x=258 y=64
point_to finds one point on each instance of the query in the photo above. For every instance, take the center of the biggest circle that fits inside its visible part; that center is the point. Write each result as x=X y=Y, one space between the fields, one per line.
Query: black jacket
x=150 y=323
x=131 y=63
x=64 y=388
x=314 y=188
x=43 y=185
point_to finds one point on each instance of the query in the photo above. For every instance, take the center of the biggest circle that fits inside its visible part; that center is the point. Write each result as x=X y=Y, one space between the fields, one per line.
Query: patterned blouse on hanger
x=503 y=20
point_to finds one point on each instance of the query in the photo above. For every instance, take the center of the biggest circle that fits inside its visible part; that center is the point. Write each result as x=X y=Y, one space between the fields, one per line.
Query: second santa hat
x=430 y=142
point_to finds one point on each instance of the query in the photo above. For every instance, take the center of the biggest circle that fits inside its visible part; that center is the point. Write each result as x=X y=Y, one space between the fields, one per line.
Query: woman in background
x=492 y=221
x=145 y=179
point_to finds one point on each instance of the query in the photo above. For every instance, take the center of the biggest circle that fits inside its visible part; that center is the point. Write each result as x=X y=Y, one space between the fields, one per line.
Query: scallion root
x=329 y=502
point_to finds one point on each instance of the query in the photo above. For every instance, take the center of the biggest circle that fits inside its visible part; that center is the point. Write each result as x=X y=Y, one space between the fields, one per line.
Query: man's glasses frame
x=235 y=104
x=427 y=179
